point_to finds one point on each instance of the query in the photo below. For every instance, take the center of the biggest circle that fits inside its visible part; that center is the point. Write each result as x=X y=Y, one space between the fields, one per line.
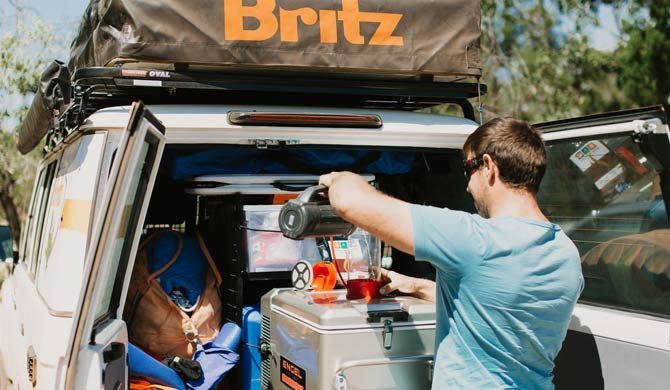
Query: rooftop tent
x=51 y=98
x=438 y=37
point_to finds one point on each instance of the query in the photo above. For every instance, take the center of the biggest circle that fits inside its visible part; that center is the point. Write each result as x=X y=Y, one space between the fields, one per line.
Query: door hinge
x=643 y=127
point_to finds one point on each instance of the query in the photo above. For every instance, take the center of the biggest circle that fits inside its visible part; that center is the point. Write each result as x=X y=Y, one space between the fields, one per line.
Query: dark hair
x=516 y=148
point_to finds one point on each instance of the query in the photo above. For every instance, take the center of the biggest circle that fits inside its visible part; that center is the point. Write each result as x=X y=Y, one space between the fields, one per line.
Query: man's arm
x=358 y=202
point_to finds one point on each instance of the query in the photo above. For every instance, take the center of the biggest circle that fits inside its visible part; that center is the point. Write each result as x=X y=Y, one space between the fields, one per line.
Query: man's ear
x=490 y=169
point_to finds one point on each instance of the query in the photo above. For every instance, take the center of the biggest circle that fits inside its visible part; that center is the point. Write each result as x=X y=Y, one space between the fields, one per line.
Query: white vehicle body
x=61 y=309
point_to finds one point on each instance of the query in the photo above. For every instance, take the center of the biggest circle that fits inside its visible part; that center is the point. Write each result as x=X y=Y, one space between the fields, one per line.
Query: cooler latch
x=387 y=333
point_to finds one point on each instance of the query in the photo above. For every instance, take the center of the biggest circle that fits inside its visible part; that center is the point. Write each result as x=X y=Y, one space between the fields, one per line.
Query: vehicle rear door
x=99 y=341
x=608 y=186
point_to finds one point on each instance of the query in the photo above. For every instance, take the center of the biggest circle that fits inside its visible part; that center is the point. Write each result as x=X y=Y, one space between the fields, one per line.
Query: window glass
x=139 y=179
x=36 y=217
x=6 y=242
x=64 y=236
x=605 y=194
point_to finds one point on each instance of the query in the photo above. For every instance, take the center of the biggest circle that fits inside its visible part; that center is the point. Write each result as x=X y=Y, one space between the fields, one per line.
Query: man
x=507 y=279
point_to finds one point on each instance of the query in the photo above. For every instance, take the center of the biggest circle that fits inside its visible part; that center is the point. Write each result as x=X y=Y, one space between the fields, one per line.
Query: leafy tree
x=24 y=54
x=537 y=68
x=644 y=57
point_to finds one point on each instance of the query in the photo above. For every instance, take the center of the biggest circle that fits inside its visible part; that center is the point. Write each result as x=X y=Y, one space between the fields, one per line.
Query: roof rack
x=99 y=87
x=103 y=87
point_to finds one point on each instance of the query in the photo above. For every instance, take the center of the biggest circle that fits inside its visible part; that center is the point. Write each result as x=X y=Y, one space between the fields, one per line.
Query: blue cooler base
x=250 y=354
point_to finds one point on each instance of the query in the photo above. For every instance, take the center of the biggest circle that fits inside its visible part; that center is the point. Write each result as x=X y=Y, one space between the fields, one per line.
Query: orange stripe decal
x=76 y=215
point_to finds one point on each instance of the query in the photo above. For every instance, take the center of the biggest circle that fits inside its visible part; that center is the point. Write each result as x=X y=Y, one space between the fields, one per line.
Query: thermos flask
x=311 y=215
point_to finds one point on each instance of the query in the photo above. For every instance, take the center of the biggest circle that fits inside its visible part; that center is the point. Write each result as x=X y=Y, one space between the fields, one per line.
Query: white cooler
x=319 y=340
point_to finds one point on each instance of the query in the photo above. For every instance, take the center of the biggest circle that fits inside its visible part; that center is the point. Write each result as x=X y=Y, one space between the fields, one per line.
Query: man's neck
x=506 y=202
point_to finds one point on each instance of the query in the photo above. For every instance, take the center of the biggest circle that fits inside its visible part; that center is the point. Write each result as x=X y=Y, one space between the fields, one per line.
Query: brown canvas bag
x=158 y=325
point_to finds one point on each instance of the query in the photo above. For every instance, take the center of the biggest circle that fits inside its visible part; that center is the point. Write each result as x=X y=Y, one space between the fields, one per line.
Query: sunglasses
x=471 y=165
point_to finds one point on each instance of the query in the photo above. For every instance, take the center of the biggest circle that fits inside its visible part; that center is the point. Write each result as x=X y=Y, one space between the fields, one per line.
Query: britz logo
x=288 y=23
x=159 y=73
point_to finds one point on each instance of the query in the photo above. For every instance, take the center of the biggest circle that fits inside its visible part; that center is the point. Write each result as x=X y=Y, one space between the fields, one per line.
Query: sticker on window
x=348 y=249
x=292 y=375
x=588 y=154
x=609 y=176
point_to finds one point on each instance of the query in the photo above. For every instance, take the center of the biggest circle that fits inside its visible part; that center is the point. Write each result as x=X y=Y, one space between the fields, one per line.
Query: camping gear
x=250 y=355
x=389 y=36
x=184 y=279
x=51 y=99
x=320 y=276
x=217 y=358
x=310 y=335
x=143 y=384
x=310 y=215
x=187 y=369
x=155 y=323
x=267 y=249
x=142 y=365
x=357 y=259
x=228 y=161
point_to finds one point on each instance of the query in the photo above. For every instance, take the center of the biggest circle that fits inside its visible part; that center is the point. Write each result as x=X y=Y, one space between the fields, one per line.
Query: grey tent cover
x=438 y=37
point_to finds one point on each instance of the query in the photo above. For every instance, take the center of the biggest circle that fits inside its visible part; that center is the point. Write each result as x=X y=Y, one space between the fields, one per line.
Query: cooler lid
x=330 y=310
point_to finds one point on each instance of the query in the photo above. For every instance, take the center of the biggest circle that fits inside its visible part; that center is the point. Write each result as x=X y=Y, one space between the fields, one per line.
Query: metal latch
x=32 y=367
x=265 y=143
x=262 y=143
x=387 y=333
x=341 y=382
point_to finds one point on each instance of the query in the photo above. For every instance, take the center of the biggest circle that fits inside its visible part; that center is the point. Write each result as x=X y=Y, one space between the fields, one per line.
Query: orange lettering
x=328 y=26
x=351 y=22
x=384 y=34
x=288 y=22
x=235 y=12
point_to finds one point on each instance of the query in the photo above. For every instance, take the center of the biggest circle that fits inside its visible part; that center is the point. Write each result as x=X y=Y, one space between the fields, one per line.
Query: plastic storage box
x=267 y=249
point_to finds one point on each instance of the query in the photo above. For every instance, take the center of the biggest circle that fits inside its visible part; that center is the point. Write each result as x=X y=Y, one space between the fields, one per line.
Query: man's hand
x=420 y=288
x=355 y=200
x=341 y=187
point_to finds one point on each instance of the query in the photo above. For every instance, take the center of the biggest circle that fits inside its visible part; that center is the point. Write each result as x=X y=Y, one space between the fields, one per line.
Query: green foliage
x=539 y=69
x=644 y=58
x=24 y=54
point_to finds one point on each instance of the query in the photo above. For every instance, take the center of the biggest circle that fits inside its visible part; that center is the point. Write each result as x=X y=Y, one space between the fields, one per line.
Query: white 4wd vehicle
x=61 y=309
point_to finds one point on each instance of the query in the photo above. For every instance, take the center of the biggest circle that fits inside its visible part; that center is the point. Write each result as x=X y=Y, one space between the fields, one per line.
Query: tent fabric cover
x=53 y=93
x=438 y=37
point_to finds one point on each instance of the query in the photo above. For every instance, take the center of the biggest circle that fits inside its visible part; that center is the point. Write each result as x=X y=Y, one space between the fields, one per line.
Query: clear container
x=359 y=259
x=267 y=249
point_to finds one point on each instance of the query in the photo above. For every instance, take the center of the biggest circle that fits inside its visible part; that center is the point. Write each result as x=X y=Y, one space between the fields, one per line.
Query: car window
x=5 y=243
x=63 y=241
x=605 y=193
x=36 y=216
x=138 y=180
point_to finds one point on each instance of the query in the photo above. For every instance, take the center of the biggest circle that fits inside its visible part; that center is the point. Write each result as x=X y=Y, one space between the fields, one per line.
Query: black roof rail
x=109 y=86
x=98 y=87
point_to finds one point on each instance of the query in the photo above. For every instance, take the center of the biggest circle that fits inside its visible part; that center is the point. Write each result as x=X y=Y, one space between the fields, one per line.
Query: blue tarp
x=227 y=161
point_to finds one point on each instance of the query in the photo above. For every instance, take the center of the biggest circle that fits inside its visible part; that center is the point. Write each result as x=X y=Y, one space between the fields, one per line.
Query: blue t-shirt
x=506 y=288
